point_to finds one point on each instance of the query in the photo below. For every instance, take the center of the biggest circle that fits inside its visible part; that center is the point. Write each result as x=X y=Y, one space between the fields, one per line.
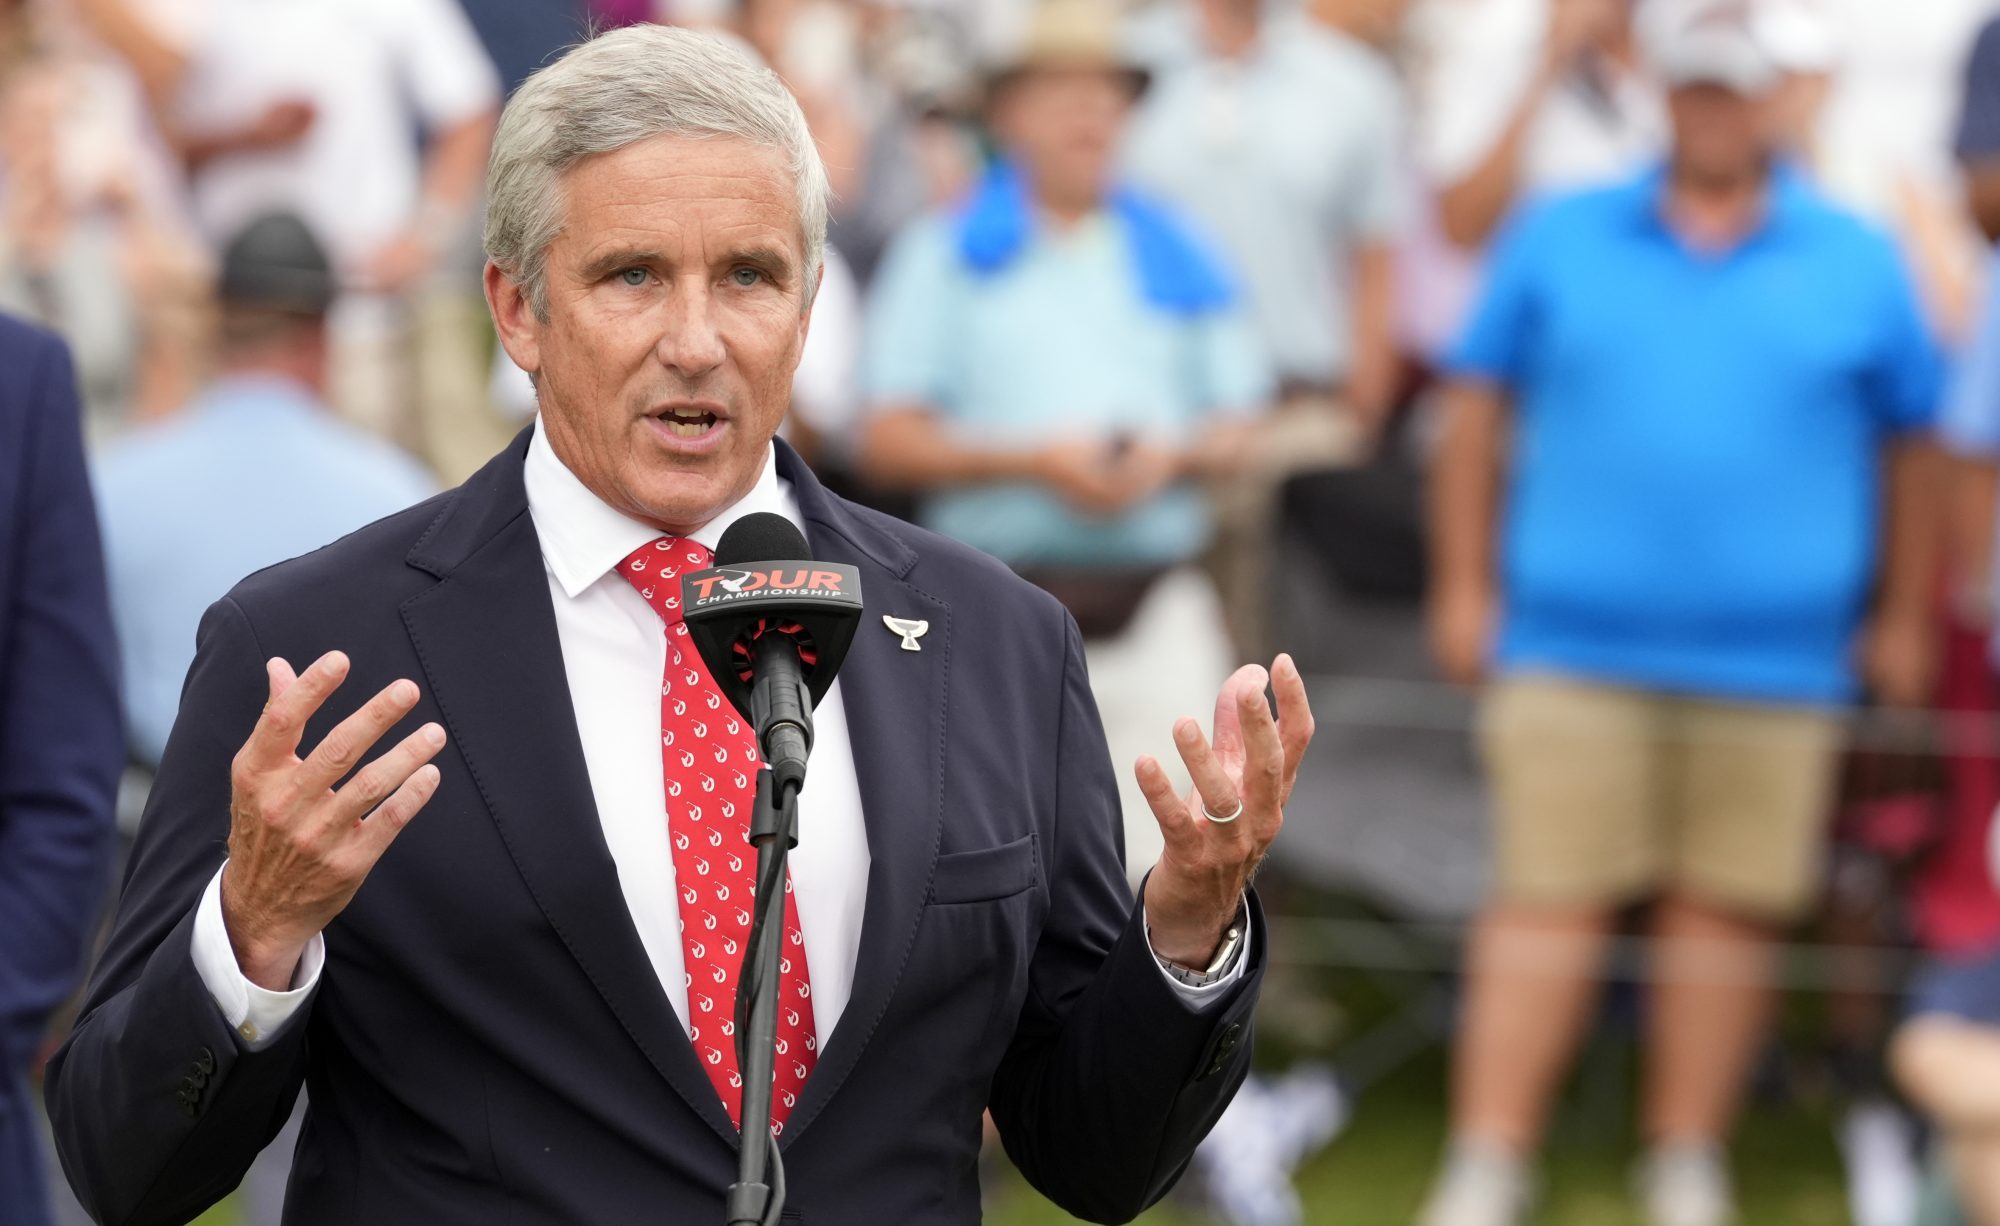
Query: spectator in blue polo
x=1054 y=365
x=1683 y=513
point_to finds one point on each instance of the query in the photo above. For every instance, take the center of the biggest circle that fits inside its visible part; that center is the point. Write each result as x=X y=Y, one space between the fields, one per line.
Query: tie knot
x=654 y=570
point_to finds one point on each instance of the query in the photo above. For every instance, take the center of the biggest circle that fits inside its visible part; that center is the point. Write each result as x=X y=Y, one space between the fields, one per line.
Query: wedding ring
x=1223 y=819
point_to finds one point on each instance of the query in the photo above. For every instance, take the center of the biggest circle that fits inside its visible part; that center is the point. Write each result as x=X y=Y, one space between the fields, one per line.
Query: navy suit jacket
x=61 y=744
x=489 y=1043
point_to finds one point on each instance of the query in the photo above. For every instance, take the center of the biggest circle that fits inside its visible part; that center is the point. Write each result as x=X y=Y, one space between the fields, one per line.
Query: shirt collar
x=260 y=389
x=583 y=537
x=1786 y=195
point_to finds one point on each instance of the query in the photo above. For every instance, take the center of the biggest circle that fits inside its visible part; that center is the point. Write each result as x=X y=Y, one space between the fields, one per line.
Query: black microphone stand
x=757 y=1198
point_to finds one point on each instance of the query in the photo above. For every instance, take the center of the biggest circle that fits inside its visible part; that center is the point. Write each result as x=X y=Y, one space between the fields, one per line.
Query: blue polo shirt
x=1697 y=439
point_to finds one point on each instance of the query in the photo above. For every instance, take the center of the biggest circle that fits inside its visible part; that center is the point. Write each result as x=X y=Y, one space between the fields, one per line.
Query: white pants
x=1169 y=662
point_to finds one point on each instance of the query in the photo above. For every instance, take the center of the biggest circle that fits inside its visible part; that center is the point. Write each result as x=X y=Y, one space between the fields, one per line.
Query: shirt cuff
x=1207 y=994
x=256 y=1014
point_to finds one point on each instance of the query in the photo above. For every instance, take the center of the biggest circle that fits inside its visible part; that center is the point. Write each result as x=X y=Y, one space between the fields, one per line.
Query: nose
x=690 y=344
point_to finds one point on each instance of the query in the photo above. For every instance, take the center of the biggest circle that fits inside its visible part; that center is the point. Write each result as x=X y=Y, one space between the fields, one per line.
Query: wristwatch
x=1225 y=956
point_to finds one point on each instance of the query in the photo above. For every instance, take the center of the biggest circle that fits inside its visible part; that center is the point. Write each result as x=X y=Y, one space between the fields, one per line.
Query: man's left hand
x=1195 y=890
x=1899 y=658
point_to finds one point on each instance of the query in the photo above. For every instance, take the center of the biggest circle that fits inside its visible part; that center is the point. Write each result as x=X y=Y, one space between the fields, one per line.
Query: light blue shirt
x=1061 y=342
x=1698 y=439
x=1287 y=155
x=255 y=471
x=1970 y=423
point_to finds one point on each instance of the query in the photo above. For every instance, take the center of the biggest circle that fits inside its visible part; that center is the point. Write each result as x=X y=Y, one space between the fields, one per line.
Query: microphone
x=773 y=626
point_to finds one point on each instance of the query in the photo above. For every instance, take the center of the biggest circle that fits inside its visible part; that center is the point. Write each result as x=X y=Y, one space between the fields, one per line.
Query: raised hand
x=298 y=849
x=1248 y=770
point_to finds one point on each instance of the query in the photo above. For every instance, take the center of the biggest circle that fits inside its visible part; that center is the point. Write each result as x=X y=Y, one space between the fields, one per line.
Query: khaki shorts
x=1604 y=795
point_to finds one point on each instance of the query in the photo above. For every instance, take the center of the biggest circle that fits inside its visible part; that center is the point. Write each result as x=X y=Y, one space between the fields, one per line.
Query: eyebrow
x=618 y=258
x=766 y=256
x=769 y=257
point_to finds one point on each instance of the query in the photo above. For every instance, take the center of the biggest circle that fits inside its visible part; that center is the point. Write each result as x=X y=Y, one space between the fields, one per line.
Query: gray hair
x=621 y=88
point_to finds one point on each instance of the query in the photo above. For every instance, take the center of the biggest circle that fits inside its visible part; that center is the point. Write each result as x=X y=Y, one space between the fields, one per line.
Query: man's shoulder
x=1837 y=228
x=1575 y=219
x=366 y=461
x=25 y=351
x=18 y=336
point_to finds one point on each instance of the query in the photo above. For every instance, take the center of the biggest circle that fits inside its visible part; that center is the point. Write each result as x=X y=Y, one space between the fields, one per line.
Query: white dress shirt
x=614 y=653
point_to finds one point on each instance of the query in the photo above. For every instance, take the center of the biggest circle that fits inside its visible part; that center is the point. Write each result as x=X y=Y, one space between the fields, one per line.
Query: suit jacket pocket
x=987 y=873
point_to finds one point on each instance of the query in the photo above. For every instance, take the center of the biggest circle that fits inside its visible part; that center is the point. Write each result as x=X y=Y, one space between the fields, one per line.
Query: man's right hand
x=1461 y=631
x=298 y=849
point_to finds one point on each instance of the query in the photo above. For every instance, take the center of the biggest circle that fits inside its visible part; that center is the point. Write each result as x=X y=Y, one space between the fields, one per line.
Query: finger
x=1216 y=789
x=278 y=672
x=1295 y=718
x=1263 y=755
x=389 y=818
x=335 y=755
x=276 y=737
x=1228 y=705
x=1175 y=826
x=380 y=778
x=1229 y=731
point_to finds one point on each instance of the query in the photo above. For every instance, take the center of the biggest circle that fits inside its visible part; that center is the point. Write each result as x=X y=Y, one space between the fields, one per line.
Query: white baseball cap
x=1709 y=42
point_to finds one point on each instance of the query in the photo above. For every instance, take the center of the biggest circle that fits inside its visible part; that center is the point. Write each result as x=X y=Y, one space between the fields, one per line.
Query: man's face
x=676 y=314
x=1062 y=124
x=1718 y=133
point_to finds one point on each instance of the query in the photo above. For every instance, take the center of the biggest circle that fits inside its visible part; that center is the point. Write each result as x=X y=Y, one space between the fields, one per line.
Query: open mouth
x=687 y=423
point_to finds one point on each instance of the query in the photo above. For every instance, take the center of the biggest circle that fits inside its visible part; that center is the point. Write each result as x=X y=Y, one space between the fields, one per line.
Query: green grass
x=1376 y=1172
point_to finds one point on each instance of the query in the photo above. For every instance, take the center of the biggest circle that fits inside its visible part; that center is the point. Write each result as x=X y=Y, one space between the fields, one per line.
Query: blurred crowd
x=1637 y=360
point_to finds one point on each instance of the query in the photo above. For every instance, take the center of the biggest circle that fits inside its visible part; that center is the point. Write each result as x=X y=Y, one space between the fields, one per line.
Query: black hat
x=275 y=263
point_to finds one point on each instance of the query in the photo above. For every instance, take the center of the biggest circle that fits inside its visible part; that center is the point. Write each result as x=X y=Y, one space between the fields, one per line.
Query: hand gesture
x=1105 y=478
x=298 y=849
x=1248 y=772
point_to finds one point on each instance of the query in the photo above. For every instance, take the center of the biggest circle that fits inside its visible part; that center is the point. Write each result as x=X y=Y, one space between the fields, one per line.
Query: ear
x=520 y=332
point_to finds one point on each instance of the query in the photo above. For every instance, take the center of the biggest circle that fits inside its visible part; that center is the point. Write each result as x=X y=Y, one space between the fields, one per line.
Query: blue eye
x=633 y=276
x=746 y=277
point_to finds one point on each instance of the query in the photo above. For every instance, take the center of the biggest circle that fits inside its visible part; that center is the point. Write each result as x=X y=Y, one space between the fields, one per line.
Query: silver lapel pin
x=910 y=628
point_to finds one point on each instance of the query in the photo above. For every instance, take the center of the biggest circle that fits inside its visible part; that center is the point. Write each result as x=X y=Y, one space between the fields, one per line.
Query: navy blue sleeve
x=1978 y=136
x=157 y=1109
x=61 y=744
x=1112 y=1079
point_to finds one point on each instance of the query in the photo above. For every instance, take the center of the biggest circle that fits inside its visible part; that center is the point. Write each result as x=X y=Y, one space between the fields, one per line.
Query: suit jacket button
x=205 y=1061
x=1230 y=1037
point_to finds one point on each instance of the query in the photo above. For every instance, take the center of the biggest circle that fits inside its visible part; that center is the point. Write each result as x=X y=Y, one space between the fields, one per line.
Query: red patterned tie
x=710 y=760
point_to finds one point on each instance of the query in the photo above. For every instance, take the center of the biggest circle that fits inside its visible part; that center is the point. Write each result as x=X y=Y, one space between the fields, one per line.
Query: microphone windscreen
x=762 y=537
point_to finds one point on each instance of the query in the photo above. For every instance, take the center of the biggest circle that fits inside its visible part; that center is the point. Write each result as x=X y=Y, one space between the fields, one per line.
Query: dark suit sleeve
x=1112 y=1078
x=61 y=746
x=157 y=1109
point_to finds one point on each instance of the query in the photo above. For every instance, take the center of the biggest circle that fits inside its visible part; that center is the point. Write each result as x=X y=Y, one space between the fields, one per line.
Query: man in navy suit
x=515 y=1007
x=61 y=746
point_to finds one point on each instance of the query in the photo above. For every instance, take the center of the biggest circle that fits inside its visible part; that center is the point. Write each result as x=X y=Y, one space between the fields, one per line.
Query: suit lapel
x=895 y=706
x=486 y=635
